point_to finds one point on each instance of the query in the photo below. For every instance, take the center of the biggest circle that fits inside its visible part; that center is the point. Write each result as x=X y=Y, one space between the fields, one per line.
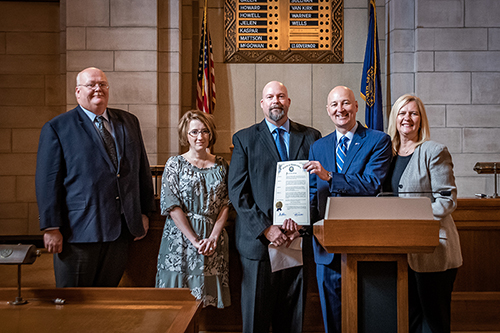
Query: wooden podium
x=376 y=230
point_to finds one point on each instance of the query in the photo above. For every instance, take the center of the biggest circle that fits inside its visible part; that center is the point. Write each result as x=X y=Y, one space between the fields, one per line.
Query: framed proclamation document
x=284 y=31
x=291 y=193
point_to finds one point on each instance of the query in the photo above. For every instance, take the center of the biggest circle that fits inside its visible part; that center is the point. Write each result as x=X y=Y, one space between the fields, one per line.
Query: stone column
x=169 y=77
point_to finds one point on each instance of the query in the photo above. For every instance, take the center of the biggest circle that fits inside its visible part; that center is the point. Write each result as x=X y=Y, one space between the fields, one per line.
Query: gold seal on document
x=279 y=205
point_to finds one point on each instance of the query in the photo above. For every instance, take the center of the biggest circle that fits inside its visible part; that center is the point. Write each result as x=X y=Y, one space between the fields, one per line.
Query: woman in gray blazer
x=424 y=168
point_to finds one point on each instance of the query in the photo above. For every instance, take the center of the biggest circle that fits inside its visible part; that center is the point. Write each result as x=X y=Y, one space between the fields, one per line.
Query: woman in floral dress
x=194 y=247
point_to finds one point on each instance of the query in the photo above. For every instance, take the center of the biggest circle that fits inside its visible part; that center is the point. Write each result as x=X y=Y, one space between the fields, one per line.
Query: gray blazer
x=431 y=169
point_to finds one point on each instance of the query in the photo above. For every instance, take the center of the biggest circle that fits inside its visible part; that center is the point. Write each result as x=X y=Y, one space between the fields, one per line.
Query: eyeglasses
x=102 y=85
x=195 y=133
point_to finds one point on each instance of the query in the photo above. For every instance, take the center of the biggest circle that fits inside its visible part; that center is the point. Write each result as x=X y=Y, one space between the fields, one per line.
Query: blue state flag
x=371 y=90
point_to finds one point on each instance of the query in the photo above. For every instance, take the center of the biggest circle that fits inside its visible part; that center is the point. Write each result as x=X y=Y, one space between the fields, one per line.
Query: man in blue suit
x=351 y=161
x=93 y=186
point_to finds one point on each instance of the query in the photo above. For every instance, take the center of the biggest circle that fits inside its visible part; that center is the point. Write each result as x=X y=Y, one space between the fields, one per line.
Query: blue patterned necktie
x=109 y=142
x=341 y=153
x=280 y=144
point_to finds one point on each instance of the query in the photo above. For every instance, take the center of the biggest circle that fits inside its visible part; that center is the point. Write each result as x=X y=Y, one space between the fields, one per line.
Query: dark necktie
x=109 y=142
x=341 y=152
x=280 y=144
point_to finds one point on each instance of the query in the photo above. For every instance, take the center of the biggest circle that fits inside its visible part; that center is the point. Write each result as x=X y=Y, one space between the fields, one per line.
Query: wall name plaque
x=284 y=31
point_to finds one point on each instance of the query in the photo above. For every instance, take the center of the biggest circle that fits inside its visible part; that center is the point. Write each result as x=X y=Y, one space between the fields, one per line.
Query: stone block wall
x=43 y=45
x=454 y=46
x=31 y=93
x=447 y=52
x=170 y=57
x=121 y=37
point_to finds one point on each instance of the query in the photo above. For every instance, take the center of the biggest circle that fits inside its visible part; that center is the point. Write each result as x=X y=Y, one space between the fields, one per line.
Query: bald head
x=275 y=103
x=341 y=90
x=89 y=71
x=274 y=85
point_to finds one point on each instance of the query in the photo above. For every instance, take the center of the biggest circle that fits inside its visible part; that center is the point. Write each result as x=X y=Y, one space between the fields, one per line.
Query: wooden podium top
x=378 y=225
x=368 y=236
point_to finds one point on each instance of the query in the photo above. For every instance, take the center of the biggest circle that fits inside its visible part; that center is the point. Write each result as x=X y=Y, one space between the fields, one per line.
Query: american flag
x=206 y=76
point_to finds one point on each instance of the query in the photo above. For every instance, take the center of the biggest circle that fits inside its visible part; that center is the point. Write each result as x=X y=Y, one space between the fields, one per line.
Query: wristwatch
x=330 y=176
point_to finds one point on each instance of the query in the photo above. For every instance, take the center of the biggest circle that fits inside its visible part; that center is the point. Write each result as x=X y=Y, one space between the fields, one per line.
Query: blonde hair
x=424 y=133
x=205 y=118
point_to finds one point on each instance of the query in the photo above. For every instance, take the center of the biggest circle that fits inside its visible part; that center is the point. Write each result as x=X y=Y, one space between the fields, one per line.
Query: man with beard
x=267 y=297
x=93 y=187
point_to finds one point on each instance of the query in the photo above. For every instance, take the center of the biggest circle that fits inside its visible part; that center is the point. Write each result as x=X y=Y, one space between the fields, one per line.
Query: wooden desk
x=100 y=310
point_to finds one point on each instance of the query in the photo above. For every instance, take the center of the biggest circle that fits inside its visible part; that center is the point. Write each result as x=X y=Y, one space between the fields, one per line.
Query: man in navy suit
x=355 y=167
x=267 y=297
x=93 y=186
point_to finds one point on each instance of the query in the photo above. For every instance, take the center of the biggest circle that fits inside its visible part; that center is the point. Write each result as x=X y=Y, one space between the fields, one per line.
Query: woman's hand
x=207 y=246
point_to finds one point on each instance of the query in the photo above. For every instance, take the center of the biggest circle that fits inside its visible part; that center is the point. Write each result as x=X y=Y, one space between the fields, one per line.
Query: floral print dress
x=201 y=194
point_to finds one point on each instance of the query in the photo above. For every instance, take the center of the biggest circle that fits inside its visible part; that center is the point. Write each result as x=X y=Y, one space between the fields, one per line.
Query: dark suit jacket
x=251 y=181
x=365 y=168
x=77 y=187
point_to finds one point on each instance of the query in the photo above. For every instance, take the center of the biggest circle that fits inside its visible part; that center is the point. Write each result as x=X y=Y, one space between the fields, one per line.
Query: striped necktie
x=341 y=153
x=109 y=142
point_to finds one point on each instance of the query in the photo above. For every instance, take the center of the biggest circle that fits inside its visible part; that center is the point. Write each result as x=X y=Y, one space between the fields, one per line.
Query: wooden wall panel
x=478 y=223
